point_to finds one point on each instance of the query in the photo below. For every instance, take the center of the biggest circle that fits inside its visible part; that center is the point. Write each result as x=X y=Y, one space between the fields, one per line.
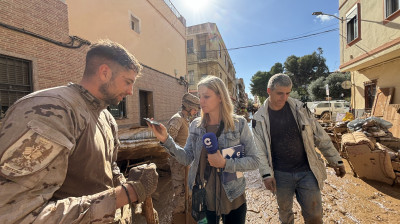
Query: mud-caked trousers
x=305 y=186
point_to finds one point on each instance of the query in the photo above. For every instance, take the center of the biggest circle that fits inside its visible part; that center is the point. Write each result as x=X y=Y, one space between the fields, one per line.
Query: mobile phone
x=152 y=121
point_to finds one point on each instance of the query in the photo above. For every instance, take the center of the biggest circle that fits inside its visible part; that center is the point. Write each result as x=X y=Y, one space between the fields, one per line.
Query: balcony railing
x=203 y=56
x=175 y=11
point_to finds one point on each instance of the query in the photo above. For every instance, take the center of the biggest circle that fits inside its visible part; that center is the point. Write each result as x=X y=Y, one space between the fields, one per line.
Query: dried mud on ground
x=345 y=200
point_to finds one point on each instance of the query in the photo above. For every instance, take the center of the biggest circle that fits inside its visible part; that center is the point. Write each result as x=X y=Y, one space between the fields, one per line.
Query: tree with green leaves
x=302 y=70
x=259 y=84
x=334 y=81
x=305 y=69
x=276 y=68
x=296 y=95
x=317 y=89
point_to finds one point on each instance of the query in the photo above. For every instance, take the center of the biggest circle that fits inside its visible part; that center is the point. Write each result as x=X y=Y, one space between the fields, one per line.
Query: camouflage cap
x=190 y=101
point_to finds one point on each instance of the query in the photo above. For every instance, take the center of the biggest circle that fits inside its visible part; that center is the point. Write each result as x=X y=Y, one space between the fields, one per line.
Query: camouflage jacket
x=58 y=149
x=178 y=128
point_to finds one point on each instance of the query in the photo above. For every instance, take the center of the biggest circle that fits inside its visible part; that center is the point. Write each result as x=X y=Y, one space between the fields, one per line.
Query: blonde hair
x=226 y=110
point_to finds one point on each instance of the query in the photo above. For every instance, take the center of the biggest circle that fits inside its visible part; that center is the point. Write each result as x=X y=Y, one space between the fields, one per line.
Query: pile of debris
x=371 y=149
x=335 y=131
x=372 y=127
x=140 y=146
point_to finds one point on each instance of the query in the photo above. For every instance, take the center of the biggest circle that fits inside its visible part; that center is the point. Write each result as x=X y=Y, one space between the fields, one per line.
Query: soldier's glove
x=144 y=180
x=340 y=171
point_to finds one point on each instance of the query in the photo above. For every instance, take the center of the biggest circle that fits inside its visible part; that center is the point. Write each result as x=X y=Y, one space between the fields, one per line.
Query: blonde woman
x=224 y=198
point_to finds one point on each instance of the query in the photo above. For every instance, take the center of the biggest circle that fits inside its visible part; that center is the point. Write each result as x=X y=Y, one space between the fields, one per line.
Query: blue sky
x=243 y=23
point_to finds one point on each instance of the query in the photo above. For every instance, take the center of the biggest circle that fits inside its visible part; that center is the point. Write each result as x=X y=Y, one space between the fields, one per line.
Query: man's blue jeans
x=308 y=194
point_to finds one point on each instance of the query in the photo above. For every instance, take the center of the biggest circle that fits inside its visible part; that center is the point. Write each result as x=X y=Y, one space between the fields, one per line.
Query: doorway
x=146 y=106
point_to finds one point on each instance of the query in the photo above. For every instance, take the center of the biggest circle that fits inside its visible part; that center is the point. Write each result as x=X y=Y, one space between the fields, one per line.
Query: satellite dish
x=346 y=84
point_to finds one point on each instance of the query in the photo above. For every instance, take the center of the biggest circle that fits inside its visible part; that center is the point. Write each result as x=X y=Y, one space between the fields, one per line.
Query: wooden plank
x=382 y=100
x=393 y=116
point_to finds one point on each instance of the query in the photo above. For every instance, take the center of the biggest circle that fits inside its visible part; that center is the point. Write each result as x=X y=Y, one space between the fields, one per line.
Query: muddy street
x=345 y=200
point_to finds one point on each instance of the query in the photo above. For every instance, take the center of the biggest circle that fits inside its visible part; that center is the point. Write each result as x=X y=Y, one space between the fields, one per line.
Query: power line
x=284 y=40
x=275 y=42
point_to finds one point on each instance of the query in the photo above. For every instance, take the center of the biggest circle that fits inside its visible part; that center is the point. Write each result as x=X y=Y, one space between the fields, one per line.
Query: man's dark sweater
x=287 y=148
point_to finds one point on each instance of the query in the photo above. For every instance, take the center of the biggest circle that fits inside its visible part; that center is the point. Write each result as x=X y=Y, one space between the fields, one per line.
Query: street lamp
x=341 y=20
x=324 y=14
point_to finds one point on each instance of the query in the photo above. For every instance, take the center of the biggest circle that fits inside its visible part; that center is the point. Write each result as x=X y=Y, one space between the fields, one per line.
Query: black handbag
x=198 y=202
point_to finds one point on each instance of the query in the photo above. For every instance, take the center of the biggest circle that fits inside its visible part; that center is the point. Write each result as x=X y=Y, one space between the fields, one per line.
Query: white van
x=322 y=108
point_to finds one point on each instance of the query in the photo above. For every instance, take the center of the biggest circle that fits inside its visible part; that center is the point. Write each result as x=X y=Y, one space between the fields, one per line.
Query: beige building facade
x=370 y=50
x=36 y=50
x=208 y=55
x=153 y=31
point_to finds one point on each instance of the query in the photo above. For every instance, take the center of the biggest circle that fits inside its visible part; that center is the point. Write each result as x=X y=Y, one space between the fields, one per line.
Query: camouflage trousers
x=178 y=183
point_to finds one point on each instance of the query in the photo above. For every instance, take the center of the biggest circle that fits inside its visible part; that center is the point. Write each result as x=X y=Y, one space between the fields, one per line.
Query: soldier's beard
x=108 y=97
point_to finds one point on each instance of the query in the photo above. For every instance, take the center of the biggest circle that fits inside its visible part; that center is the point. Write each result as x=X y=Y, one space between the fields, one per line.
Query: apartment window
x=352 y=24
x=189 y=44
x=15 y=81
x=391 y=7
x=203 y=51
x=369 y=93
x=191 y=77
x=118 y=111
x=220 y=49
x=225 y=60
x=135 y=23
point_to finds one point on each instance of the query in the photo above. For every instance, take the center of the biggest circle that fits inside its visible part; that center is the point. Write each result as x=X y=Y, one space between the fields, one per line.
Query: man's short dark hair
x=110 y=53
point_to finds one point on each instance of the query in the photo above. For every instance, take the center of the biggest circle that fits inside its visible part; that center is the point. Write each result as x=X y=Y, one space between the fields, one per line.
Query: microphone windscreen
x=210 y=142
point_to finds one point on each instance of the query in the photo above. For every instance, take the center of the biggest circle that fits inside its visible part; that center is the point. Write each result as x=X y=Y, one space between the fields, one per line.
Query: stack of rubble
x=335 y=132
x=371 y=149
x=372 y=127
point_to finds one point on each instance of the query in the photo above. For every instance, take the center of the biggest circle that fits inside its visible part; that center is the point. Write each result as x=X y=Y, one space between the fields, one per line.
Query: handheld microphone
x=210 y=142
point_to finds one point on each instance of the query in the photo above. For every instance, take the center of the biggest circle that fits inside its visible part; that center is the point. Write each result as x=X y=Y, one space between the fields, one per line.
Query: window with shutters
x=135 y=23
x=353 y=25
x=203 y=52
x=191 y=77
x=190 y=48
x=15 y=80
x=391 y=6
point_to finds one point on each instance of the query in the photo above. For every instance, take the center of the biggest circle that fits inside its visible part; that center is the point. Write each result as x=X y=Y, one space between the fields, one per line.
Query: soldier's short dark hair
x=109 y=52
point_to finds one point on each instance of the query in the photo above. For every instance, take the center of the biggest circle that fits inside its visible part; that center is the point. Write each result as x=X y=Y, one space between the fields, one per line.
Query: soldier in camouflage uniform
x=178 y=129
x=58 y=148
